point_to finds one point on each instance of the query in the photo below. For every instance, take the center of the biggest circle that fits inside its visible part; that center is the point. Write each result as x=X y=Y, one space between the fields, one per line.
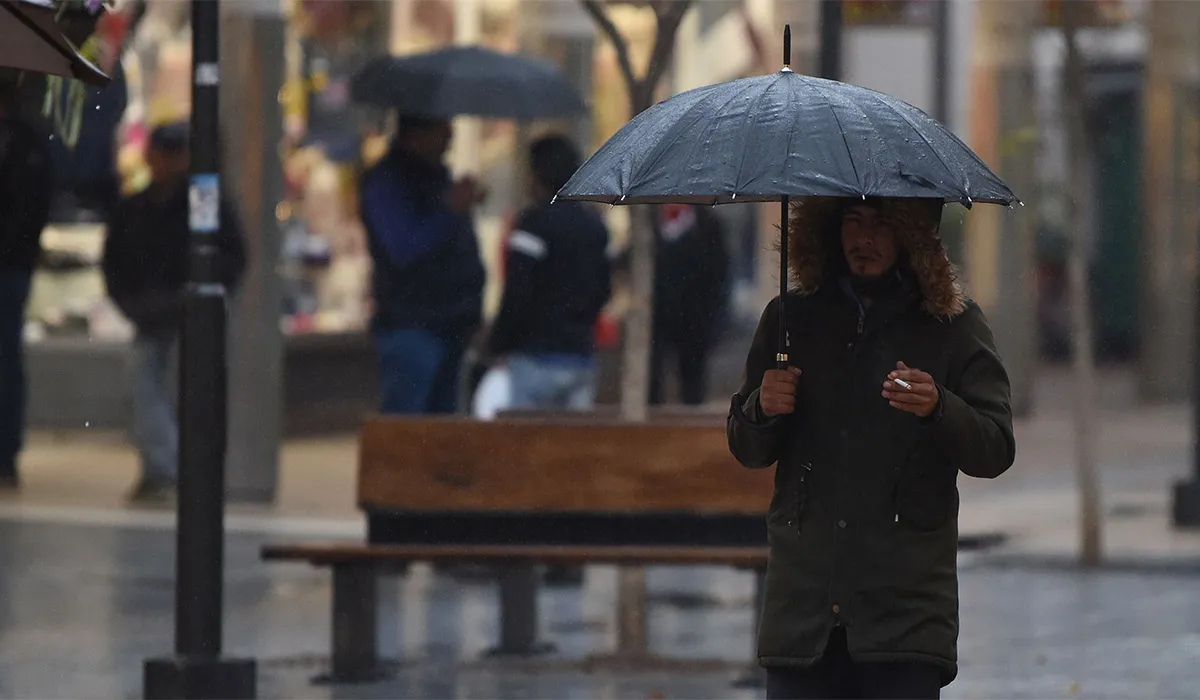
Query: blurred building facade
x=991 y=69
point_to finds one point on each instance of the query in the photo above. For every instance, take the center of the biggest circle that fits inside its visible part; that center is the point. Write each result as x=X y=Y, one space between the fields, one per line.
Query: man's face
x=167 y=165
x=868 y=241
x=430 y=141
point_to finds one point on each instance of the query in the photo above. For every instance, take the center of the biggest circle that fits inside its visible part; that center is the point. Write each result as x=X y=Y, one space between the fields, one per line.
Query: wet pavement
x=82 y=606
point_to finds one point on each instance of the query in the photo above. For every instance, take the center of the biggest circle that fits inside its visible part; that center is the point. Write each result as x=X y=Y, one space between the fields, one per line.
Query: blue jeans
x=552 y=381
x=14 y=293
x=155 y=427
x=419 y=372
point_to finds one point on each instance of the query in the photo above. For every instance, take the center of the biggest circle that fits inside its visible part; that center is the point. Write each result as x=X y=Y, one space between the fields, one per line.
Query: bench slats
x=464 y=466
x=334 y=553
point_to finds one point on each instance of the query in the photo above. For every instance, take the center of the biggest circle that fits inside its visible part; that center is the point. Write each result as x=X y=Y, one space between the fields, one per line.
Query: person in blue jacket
x=428 y=278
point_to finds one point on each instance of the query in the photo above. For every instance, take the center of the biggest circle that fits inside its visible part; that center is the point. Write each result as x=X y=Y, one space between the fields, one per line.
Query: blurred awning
x=31 y=40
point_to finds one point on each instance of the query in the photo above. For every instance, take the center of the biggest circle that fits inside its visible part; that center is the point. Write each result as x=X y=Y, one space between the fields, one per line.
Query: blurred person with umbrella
x=30 y=41
x=27 y=183
x=870 y=385
x=428 y=278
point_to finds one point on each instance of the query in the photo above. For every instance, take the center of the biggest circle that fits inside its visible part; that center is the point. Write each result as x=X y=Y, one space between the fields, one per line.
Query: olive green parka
x=863 y=521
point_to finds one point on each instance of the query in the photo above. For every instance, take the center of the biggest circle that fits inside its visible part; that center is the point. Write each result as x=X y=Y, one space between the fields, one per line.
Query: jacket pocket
x=925 y=496
x=790 y=500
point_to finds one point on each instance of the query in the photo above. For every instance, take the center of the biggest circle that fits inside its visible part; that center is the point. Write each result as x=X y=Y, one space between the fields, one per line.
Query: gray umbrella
x=468 y=80
x=775 y=137
x=30 y=40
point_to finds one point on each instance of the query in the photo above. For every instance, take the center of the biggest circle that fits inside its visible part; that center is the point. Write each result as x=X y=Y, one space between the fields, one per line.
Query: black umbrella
x=31 y=40
x=467 y=81
x=775 y=137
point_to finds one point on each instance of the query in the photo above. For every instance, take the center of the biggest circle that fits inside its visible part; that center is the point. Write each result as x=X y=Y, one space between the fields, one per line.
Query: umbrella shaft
x=782 y=356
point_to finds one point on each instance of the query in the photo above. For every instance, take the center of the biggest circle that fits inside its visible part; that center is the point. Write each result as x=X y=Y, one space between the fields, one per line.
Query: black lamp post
x=197 y=669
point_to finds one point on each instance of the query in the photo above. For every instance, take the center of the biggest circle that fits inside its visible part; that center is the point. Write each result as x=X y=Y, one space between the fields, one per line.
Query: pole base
x=1186 y=505
x=195 y=677
x=751 y=679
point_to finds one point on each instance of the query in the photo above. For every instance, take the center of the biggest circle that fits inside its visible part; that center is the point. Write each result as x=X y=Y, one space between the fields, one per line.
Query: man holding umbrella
x=27 y=181
x=30 y=42
x=871 y=382
x=894 y=386
x=428 y=278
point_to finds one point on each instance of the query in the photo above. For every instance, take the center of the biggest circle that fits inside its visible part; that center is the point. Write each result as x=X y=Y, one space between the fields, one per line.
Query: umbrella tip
x=787 y=47
x=554 y=199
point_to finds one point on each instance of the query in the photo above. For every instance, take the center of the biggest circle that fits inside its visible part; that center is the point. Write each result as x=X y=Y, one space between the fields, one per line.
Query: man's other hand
x=921 y=396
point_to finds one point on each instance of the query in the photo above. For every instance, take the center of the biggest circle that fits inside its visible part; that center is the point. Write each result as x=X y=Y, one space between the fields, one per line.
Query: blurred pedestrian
x=145 y=268
x=27 y=183
x=893 y=387
x=428 y=278
x=557 y=280
x=691 y=278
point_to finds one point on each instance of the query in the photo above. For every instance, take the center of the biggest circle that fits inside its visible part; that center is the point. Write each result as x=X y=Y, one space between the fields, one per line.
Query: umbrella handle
x=781 y=358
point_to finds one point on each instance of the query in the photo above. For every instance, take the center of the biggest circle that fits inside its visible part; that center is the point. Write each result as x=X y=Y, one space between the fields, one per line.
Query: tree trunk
x=635 y=356
x=635 y=353
x=1091 y=546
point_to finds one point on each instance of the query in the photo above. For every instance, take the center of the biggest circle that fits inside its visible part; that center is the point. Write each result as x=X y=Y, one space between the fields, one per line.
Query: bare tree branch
x=668 y=15
x=595 y=8
x=758 y=47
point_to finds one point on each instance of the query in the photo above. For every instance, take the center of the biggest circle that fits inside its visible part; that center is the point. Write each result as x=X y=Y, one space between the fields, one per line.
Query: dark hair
x=171 y=138
x=406 y=123
x=553 y=160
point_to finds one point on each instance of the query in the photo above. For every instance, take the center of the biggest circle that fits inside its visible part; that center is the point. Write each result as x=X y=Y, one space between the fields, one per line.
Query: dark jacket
x=691 y=277
x=88 y=172
x=146 y=256
x=27 y=184
x=557 y=280
x=863 y=522
x=427 y=272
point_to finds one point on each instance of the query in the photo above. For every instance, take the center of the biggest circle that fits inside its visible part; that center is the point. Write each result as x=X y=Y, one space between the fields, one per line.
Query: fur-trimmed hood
x=814 y=248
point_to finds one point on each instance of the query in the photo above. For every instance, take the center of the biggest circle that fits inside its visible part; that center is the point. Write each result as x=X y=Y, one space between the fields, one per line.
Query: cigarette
x=905 y=385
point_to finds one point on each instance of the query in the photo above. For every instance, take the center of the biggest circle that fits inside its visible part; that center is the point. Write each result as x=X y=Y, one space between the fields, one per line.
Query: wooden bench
x=538 y=489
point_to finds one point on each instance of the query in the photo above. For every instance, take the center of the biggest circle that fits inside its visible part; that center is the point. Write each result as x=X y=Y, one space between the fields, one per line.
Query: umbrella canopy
x=783 y=135
x=31 y=40
x=469 y=81
x=774 y=137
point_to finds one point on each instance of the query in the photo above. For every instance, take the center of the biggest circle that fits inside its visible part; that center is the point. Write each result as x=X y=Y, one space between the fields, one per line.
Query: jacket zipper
x=802 y=493
x=896 y=498
x=896 y=484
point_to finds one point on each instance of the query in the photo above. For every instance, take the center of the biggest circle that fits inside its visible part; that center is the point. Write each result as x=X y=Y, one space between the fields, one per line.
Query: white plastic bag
x=493 y=395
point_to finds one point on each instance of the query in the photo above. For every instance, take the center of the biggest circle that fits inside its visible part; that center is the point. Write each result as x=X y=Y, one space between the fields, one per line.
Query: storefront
x=76 y=337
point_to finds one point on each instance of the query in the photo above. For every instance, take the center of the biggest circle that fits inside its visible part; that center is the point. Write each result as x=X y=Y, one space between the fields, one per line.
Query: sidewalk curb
x=981 y=541
x=1047 y=561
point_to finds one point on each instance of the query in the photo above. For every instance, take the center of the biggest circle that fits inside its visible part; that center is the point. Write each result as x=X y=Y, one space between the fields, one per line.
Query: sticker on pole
x=204 y=204
x=207 y=74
